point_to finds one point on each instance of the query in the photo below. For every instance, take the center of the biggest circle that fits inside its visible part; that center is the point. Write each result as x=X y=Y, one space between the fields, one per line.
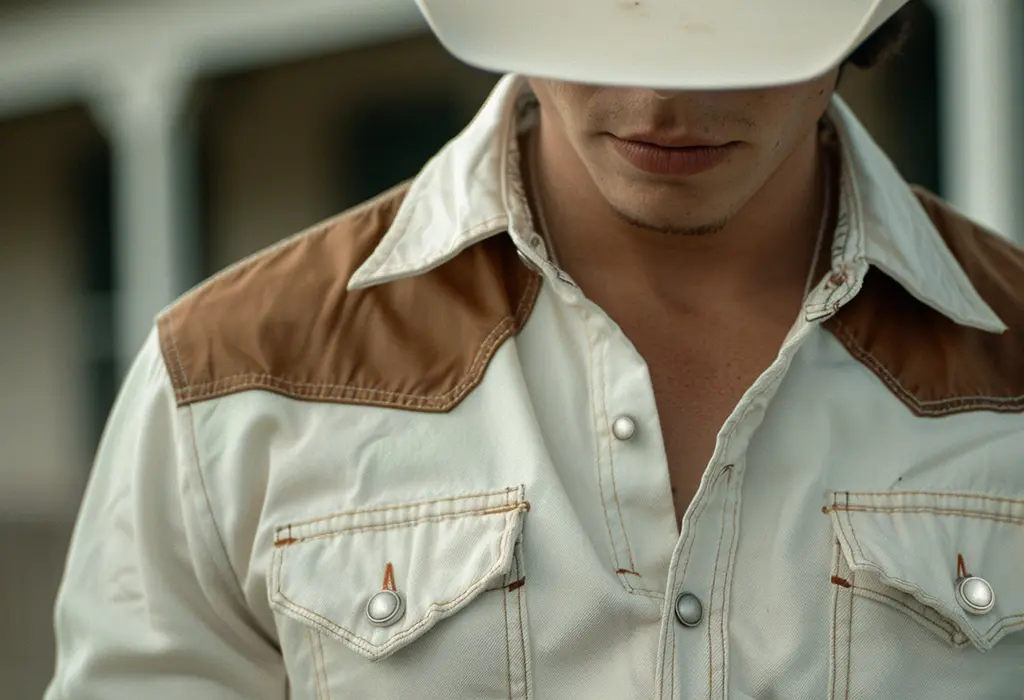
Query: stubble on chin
x=669 y=229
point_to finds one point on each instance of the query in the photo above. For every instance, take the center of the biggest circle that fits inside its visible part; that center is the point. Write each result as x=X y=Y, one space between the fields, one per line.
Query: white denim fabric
x=537 y=555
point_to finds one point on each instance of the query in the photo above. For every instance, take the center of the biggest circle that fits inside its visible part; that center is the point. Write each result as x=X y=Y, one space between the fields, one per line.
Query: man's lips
x=675 y=160
x=662 y=140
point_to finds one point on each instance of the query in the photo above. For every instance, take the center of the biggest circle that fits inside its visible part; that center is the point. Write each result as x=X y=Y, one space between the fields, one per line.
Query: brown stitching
x=726 y=585
x=691 y=539
x=849 y=641
x=611 y=471
x=961 y=568
x=522 y=642
x=404 y=506
x=359 y=642
x=529 y=300
x=922 y=407
x=696 y=517
x=177 y=355
x=599 y=450
x=711 y=603
x=285 y=542
x=959 y=401
x=618 y=507
x=672 y=677
x=410 y=523
x=839 y=581
x=835 y=625
x=849 y=613
x=389 y=579
x=197 y=391
x=626 y=571
x=926 y=612
x=328 y=393
x=508 y=646
x=611 y=464
x=937 y=511
x=948 y=628
x=943 y=494
x=517 y=567
x=853 y=532
x=169 y=348
x=323 y=391
x=855 y=541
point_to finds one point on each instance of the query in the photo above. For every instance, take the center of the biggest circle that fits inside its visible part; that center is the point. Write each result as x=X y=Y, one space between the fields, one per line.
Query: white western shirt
x=392 y=407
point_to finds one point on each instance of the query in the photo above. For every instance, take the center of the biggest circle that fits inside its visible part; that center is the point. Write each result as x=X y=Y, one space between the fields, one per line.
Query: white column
x=981 y=62
x=154 y=231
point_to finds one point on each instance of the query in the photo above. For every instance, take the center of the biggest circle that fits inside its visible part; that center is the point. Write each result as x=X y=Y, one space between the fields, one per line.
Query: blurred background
x=146 y=145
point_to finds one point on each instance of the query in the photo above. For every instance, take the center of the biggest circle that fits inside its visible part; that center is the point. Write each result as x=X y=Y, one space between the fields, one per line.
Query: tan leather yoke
x=935 y=366
x=283 y=321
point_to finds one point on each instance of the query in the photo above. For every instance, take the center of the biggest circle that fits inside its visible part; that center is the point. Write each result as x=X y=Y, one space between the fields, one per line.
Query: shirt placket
x=631 y=464
x=695 y=647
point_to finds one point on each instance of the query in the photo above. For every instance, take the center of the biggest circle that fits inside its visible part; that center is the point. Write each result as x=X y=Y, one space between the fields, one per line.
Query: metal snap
x=975 y=595
x=689 y=610
x=385 y=608
x=624 y=428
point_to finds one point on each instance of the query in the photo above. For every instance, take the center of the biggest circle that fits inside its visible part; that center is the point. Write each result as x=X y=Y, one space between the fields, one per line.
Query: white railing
x=133 y=63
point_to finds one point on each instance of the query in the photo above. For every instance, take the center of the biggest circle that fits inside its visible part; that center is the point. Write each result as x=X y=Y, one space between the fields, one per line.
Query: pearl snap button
x=689 y=610
x=624 y=428
x=385 y=608
x=975 y=595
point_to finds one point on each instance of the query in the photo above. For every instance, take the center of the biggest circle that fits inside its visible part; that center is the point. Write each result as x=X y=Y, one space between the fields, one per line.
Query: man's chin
x=671 y=226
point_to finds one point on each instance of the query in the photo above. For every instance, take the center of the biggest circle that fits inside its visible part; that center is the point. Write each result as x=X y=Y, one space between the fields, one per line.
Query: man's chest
x=699 y=377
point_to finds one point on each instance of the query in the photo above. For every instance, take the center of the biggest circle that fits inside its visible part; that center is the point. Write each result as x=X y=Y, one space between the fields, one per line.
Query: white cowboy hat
x=666 y=44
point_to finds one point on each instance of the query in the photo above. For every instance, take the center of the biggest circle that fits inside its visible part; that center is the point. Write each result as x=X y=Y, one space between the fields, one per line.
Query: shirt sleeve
x=149 y=606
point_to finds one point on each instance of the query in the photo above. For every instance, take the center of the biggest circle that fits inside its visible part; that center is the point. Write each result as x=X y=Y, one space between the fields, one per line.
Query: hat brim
x=664 y=44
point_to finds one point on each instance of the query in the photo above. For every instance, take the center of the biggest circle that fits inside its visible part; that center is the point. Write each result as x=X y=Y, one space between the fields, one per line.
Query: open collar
x=472 y=190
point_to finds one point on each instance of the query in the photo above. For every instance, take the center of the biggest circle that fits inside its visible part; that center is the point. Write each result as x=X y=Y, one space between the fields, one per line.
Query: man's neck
x=764 y=250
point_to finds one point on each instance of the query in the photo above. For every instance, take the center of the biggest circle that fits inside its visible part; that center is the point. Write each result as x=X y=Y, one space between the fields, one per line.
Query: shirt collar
x=471 y=190
x=882 y=223
x=465 y=194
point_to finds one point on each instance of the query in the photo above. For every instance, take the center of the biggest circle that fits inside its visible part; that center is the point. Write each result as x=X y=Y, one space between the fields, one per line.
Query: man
x=657 y=382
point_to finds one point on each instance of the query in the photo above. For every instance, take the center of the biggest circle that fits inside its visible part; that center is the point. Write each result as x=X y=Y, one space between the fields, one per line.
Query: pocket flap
x=436 y=555
x=910 y=542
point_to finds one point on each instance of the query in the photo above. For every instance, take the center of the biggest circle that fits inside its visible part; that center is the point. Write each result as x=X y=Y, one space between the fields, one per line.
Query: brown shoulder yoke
x=283 y=321
x=935 y=366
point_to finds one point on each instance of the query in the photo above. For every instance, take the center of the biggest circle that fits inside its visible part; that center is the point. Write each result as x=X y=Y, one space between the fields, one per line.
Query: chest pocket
x=448 y=616
x=901 y=628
